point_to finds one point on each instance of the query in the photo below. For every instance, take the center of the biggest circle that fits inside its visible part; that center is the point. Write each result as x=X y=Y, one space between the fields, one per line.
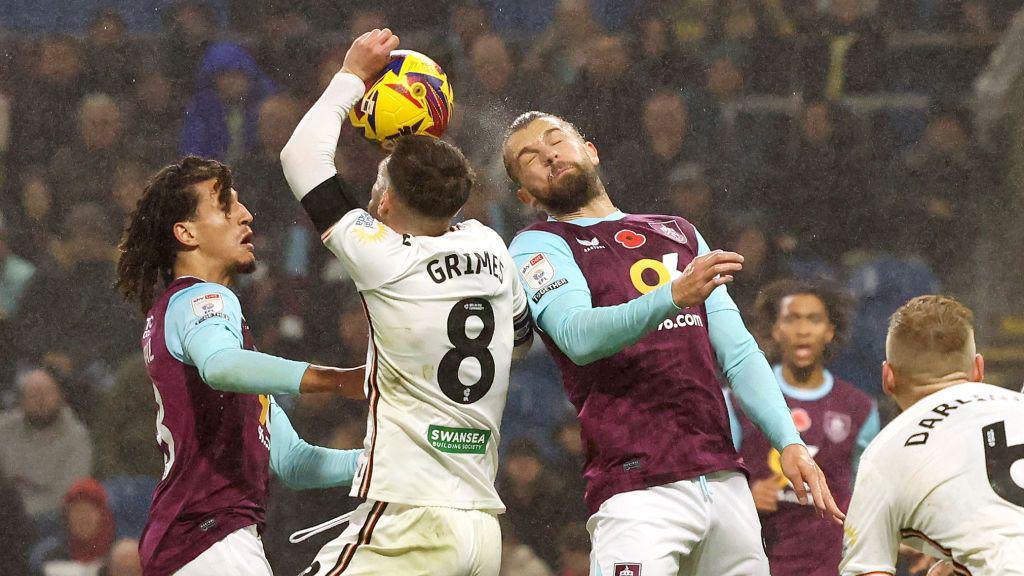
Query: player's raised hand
x=370 y=53
x=702 y=275
x=803 y=473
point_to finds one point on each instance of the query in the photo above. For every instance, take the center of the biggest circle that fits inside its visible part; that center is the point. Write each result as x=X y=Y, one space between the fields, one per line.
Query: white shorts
x=385 y=538
x=238 y=554
x=680 y=529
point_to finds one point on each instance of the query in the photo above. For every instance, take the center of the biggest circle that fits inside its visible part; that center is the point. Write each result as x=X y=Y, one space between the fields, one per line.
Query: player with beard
x=215 y=418
x=635 y=311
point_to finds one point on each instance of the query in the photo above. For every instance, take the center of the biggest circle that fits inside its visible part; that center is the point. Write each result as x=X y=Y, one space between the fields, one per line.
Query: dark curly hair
x=766 y=311
x=148 y=247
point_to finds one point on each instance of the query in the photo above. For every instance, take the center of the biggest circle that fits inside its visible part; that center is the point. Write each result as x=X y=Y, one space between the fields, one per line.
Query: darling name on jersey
x=941 y=412
x=456 y=264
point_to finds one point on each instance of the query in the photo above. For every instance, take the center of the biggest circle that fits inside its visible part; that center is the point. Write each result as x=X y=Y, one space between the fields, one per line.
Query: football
x=411 y=96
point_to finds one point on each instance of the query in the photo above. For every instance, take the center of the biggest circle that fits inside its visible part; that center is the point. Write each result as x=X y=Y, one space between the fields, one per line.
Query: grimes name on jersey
x=455 y=265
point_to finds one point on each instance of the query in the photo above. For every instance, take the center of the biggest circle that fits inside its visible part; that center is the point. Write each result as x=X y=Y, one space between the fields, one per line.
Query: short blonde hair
x=931 y=337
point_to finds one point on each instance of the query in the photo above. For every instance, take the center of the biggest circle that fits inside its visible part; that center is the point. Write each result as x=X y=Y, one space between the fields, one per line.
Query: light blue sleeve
x=746 y=368
x=549 y=273
x=868 y=431
x=203 y=328
x=302 y=466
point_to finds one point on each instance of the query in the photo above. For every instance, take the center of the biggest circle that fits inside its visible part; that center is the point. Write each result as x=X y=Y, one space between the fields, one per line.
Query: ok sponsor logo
x=648 y=274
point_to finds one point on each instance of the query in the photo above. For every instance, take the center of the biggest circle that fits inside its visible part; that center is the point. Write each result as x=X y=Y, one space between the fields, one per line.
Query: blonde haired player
x=945 y=477
x=445 y=311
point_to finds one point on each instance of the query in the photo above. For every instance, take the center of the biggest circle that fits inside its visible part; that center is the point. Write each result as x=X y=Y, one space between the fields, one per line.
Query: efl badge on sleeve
x=207 y=304
x=538 y=271
x=626 y=569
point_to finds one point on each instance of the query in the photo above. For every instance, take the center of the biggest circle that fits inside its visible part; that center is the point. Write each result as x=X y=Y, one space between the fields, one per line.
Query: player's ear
x=830 y=333
x=526 y=198
x=185 y=233
x=888 y=379
x=979 y=369
x=592 y=153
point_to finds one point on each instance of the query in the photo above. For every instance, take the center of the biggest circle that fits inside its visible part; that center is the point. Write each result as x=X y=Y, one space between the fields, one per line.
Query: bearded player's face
x=555 y=167
x=223 y=232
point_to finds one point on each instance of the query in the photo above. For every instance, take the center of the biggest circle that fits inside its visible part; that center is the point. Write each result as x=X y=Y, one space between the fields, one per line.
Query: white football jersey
x=945 y=477
x=441 y=312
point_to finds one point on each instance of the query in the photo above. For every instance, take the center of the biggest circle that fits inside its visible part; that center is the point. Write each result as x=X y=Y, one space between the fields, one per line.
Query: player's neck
x=195 y=266
x=809 y=378
x=599 y=207
x=418 y=226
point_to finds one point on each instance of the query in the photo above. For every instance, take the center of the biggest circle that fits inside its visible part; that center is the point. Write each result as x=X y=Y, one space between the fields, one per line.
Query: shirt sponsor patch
x=207 y=304
x=553 y=286
x=367 y=229
x=538 y=271
x=458 y=440
x=627 y=569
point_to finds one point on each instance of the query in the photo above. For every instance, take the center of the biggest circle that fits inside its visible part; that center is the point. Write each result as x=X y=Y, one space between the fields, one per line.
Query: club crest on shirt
x=538 y=271
x=627 y=569
x=669 y=228
x=837 y=426
x=207 y=304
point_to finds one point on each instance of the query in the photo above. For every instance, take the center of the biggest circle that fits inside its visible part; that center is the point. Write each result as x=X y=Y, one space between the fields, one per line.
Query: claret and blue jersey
x=642 y=373
x=215 y=433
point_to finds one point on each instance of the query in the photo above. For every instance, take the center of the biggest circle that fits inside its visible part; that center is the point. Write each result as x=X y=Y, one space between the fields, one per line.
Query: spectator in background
x=667 y=140
x=123 y=559
x=574 y=551
x=89 y=533
x=940 y=183
x=751 y=236
x=690 y=195
x=557 y=57
x=83 y=170
x=123 y=431
x=801 y=324
x=16 y=275
x=35 y=217
x=285 y=49
x=189 y=28
x=110 y=58
x=823 y=169
x=222 y=117
x=518 y=559
x=46 y=448
x=61 y=308
x=658 y=60
x=467 y=21
x=45 y=101
x=16 y=529
x=260 y=175
x=535 y=498
x=845 y=56
x=126 y=189
x=597 y=93
x=154 y=114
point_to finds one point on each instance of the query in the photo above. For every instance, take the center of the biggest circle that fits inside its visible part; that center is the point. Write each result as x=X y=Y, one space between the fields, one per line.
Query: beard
x=573 y=190
x=245 y=267
x=42 y=420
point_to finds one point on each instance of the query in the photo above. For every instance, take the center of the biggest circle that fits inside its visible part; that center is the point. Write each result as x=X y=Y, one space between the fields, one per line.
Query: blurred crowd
x=821 y=139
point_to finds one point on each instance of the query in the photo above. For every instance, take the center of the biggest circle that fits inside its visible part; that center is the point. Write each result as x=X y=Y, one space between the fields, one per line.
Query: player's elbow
x=289 y=154
x=585 y=355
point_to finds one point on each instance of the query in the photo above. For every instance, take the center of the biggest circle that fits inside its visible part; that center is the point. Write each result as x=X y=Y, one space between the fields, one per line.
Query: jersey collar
x=617 y=215
x=803 y=393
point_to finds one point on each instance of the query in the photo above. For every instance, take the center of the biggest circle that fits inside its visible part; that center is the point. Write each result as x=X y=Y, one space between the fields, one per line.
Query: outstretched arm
x=308 y=157
x=302 y=466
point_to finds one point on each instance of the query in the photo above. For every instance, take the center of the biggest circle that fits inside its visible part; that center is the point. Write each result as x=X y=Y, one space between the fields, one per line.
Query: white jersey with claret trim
x=441 y=312
x=945 y=477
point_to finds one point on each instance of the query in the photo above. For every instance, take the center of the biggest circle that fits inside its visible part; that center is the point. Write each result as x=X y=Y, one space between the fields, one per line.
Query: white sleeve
x=308 y=157
x=871 y=533
x=372 y=253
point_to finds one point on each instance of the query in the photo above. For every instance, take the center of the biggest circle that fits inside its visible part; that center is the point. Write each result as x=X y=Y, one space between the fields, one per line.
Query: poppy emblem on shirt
x=837 y=426
x=630 y=239
x=801 y=419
